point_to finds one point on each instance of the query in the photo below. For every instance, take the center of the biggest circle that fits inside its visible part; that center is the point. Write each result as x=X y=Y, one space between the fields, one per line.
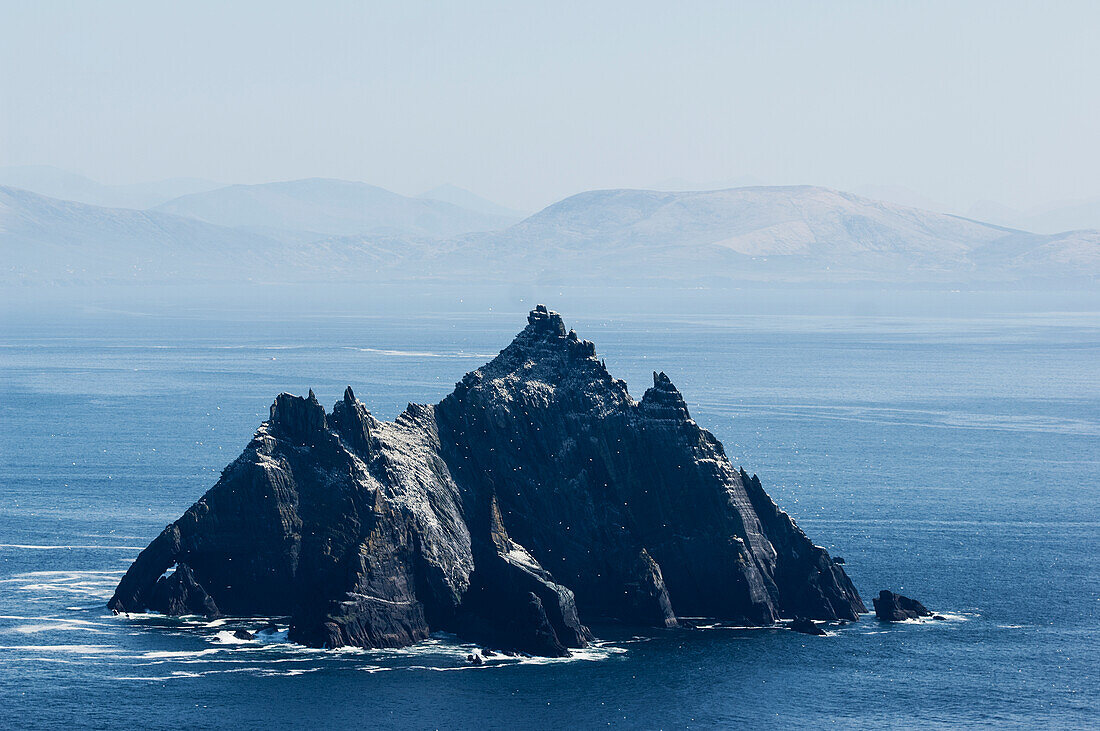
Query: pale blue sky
x=525 y=103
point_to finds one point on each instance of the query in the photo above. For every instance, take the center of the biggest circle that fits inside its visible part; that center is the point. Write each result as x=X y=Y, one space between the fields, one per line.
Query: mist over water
x=950 y=458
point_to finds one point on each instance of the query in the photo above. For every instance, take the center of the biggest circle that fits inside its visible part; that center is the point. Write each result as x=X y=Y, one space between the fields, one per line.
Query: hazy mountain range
x=1050 y=218
x=58 y=183
x=331 y=230
x=320 y=207
x=799 y=233
x=471 y=201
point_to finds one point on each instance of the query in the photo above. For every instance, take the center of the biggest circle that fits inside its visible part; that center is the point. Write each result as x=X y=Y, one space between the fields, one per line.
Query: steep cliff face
x=537 y=493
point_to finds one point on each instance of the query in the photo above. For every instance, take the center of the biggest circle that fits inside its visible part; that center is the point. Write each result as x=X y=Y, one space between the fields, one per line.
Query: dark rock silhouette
x=806 y=626
x=891 y=607
x=538 y=492
x=179 y=593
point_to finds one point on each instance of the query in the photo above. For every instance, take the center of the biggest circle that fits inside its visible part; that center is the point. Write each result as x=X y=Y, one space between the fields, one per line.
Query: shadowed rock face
x=891 y=607
x=537 y=493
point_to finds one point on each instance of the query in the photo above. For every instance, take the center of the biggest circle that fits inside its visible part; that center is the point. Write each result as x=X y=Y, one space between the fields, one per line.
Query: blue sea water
x=954 y=460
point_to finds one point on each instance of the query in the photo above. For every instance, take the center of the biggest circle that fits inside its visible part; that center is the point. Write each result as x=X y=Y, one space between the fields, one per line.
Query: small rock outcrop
x=179 y=593
x=807 y=627
x=538 y=493
x=891 y=607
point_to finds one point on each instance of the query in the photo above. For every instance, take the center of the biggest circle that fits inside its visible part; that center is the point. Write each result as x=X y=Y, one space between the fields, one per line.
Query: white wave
x=635 y=640
x=252 y=347
x=77 y=649
x=596 y=652
x=424 y=353
x=81 y=589
x=178 y=653
x=947 y=617
x=159 y=678
x=62 y=574
x=34 y=547
x=279 y=636
x=61 y=626
x=185 y=674
x=373 y=668
x=226 y=637
x=446 y=647
x=439 y=652
x=183 y=620
x=289 y=659
x=444 y=668
x=97 y=585
x=291 y=672
x=736 y=627
x=926 y=418
x=249 y=669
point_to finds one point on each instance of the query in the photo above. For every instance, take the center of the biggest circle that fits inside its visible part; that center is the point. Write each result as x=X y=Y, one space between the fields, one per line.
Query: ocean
x=952 y=459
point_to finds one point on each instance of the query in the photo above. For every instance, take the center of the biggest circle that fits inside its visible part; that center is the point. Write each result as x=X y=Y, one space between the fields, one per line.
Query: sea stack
x=536 y=497
x=891 y=607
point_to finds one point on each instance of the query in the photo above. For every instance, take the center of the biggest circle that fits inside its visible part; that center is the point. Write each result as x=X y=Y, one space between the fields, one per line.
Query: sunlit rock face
x=537 y=495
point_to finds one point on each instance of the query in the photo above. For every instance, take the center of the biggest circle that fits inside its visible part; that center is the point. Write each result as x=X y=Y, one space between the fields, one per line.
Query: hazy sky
x=526 y=103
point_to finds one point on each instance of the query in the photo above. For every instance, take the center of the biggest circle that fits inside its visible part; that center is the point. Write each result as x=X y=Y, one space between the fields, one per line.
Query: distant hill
x=56 y=183
x=331 y=207
x=721 y=238
x=465 y=199
x=45 y=240
x=799 y=233
x=1076 y=215
x=1066 y=216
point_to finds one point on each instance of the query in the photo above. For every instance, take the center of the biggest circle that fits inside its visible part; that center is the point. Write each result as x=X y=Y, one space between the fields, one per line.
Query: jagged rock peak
x=664 y=399
x=662 y=382
x=545 y=322
x=354 y=424
x=298 y=417
x=543 y=350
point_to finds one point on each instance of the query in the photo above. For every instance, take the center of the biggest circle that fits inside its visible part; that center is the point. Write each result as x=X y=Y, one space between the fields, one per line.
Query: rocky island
x=891 y=607
x=537 y=496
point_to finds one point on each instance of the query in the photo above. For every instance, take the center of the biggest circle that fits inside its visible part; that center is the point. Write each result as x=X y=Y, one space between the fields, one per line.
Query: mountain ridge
x=54 y=182
x=329 y=206
x=46 y=240
x=449 y=193
x=723 y=238
x=790 y=233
